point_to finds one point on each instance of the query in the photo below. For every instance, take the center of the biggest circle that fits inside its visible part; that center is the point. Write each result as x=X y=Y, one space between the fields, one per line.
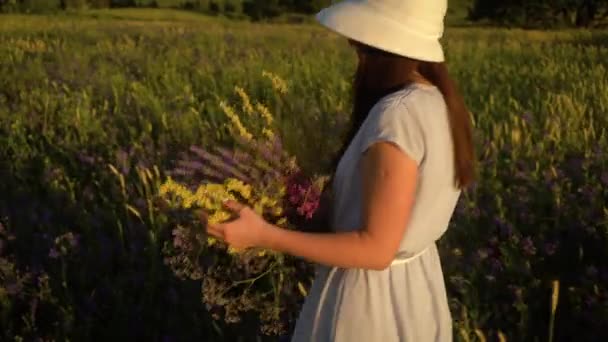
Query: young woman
x=400 y=173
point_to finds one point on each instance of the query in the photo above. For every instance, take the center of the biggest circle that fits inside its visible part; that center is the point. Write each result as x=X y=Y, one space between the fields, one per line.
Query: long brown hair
x=380 y=73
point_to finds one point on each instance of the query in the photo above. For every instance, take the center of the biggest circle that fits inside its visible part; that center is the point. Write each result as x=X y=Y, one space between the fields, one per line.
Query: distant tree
x=233 y=6
x=262 y=9
x=39 y=6
x=309 y=6
x=217 y=6
x=541 y=13
x=203 y=5
x=9 y=6
x=99 y=3
x=122 y=3
x=73 y=4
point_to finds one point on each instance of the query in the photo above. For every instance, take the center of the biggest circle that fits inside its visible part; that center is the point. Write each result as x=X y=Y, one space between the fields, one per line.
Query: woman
x=400 y=173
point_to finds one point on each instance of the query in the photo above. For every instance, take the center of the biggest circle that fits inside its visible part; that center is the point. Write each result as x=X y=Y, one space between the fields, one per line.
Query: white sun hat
x=410 y=28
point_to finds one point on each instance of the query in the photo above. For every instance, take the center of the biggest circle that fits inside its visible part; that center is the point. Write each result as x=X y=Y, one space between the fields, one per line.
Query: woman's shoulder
x=415 y=97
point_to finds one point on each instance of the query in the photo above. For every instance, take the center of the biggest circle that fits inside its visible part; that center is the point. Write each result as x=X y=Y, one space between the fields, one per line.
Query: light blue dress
x=406 y=302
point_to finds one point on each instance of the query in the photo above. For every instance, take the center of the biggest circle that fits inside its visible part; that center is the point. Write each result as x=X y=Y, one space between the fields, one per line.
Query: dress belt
x=397 y=261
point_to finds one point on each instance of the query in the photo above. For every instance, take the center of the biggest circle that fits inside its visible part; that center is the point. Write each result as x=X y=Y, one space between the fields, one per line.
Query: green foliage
x=99 y=3
x=123 y=3
x=254 y=9
x=80 y=4
x=39 y=6
x=542 y=13
x=272 y=8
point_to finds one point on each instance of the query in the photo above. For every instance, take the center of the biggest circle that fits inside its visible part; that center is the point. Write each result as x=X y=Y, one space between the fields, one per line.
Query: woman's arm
x=388 y=188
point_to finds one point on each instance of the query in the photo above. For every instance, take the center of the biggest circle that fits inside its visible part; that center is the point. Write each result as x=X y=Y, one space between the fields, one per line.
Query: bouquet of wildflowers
x=256 y=171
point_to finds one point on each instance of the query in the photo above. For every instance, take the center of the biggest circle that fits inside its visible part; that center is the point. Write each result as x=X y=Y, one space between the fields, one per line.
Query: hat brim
x=363 y=23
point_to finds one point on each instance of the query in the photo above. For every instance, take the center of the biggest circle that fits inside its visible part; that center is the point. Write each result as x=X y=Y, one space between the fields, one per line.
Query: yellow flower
x=278 y=83
x=211 y=241
x=200 y=198
x=282 y=222
x=278 y=211
x=264 y=113
x=178 y=190
x=238 y=186
x=268 y=133
x=247 y=107
x=258 y=208
x=232 y=250
x=217 y=191
x=219 y=217
x=236 y=122
x=268 y=202
x=187 y=202
x=262 y=253
x=207 y=196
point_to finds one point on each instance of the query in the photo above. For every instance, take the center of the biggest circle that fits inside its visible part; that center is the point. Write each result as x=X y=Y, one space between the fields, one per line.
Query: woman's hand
x=248 y=230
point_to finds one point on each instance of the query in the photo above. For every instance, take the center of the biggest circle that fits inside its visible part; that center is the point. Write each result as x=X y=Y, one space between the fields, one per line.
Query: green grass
x=458 y=12
x=79 y=91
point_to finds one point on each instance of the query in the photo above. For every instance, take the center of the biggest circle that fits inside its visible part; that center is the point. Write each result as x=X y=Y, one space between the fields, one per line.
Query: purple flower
x=308 y=209
x=527 y=246
x=527 y=117
x=53 y=253
x=550 y=248
x=72 y=239
x=86 y=159
x=191 y=164
x=122 y=159
x=505 y=228
x=496 y=265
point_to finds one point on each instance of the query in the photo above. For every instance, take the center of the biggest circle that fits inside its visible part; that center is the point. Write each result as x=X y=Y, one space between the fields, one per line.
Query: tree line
x=254 y=9
x=514 y=13
x=541 y=13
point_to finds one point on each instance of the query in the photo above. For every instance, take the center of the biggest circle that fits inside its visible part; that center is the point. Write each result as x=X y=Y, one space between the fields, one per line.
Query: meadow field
x=95 y=108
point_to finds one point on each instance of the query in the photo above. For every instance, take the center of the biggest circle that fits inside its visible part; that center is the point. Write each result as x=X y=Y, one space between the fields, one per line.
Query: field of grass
x=134 y=88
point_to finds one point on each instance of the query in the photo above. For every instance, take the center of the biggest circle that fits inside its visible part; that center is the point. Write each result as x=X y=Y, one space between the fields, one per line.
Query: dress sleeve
x=396 y=124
